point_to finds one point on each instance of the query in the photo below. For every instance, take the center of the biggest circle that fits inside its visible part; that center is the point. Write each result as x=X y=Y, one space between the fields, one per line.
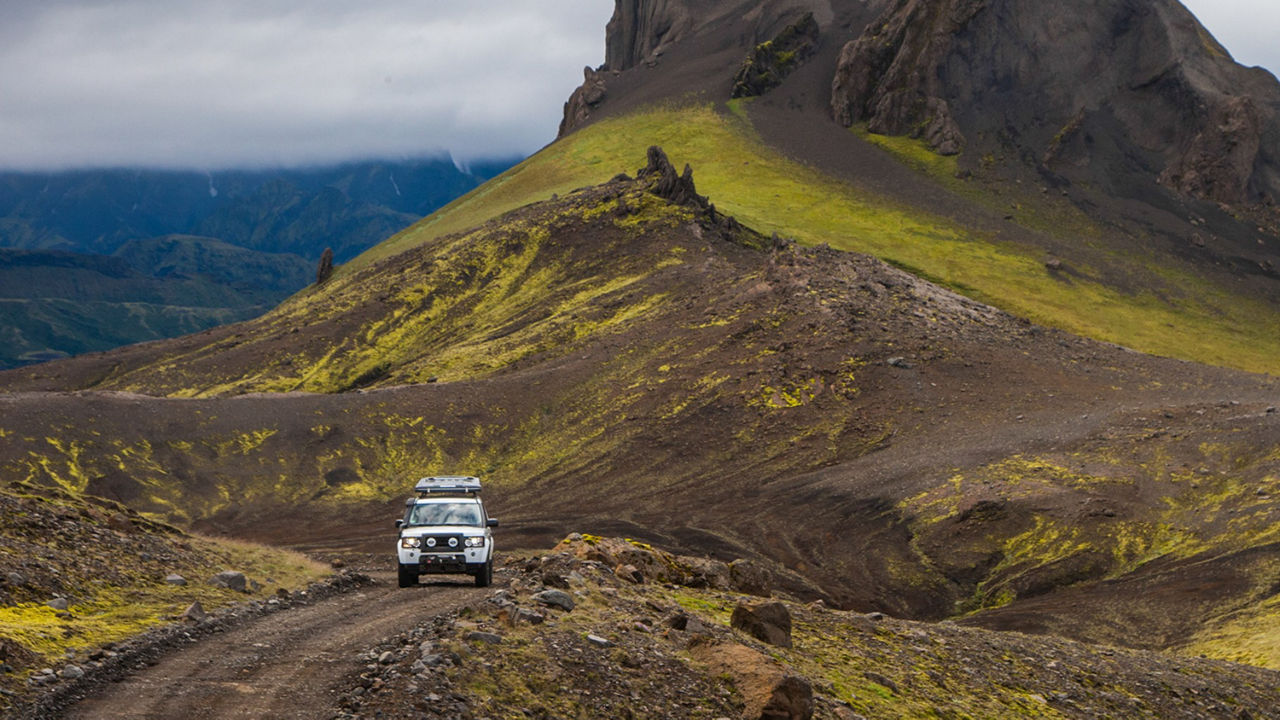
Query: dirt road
x=290 y=664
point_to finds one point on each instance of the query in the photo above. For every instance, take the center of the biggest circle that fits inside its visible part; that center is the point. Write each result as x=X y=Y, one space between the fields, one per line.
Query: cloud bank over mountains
x=285 y=82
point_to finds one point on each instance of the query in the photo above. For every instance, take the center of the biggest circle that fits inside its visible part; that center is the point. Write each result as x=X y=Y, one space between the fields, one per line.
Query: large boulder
x=230 y=579
x=769 y=622
x=768 y=691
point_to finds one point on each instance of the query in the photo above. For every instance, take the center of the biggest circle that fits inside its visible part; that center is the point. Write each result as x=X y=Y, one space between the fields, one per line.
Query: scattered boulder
x=59 y=603
x=230 y=579
x=751 y=578
x=769 y=622
x=324 y=270
x=175 y=579
x=71 y=672
x=194 y=612
x=768 y=691
x=484 y=637
x=555 y=598
x=629 y=573
x=599 y=641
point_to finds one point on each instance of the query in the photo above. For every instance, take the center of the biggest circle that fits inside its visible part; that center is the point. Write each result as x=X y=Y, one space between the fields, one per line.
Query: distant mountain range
x=95 y=259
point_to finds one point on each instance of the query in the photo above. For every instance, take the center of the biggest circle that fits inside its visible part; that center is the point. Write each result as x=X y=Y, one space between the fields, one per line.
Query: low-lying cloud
x=285 y=82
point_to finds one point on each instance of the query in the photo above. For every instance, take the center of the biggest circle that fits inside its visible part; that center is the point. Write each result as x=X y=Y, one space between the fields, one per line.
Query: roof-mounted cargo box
x=448 y=485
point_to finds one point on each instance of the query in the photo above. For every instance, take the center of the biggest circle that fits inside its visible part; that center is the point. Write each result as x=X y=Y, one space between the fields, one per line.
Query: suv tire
x=408 y=576
x=485 y=577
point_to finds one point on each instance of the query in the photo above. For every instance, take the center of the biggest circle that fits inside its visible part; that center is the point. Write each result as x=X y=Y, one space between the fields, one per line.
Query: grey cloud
x=286 y=82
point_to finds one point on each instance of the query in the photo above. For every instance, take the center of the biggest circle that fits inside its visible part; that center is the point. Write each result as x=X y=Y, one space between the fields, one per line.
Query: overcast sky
x=242 y=83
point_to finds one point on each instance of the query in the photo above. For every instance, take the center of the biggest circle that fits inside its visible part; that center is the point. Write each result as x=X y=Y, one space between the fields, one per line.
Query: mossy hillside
x=110 y=564
x=1142 y=503
x=462 y=307
x=1177 y=315
x=866 y=664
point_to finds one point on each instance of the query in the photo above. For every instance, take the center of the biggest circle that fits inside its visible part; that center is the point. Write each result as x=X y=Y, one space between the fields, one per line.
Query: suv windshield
x=445 y=514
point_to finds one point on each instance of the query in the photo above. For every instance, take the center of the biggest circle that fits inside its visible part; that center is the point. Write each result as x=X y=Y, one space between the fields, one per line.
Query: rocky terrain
x=837 y=371
x=604 y=627
x=80 y=576
x=890 y=445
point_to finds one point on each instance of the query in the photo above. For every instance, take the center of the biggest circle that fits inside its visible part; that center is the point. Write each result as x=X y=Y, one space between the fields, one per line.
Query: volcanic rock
x=769 y=622
x=230 y=579
x=585 y=99
x=770 y=62
x=1076 y=88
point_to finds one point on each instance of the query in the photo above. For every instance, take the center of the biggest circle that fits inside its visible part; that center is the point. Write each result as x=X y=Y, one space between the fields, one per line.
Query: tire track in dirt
x=290 y=664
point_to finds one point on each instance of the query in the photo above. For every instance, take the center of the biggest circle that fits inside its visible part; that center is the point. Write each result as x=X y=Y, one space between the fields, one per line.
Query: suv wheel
x=408 y=576
x=485 y=576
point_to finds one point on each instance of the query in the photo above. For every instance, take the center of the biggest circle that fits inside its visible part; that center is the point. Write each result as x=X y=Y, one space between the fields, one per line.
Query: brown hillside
x=614 y=361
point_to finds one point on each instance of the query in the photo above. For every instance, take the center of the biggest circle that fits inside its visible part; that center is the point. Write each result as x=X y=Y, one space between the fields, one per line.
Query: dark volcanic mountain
x=248 y=240
x=1129 y=107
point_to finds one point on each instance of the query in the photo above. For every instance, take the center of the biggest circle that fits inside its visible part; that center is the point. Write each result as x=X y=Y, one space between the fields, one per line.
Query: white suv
x=446 y=530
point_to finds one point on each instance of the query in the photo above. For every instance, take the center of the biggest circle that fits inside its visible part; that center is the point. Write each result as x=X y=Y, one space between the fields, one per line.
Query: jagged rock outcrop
x=1115 y=93
x=665 y=183
x=585 y=99
x=887 y=77
x=770 y=62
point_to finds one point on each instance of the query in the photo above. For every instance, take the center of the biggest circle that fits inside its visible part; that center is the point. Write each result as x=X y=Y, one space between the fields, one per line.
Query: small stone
x=194 y=612
x=58 y=603
x=16 y=579
x=484 y=637
x=876 y=616
x=599 y=641
x=386 y=658
x=71 y=672
x=175 y=579
x=230 y=579
x=555 y=598
x=629 y=573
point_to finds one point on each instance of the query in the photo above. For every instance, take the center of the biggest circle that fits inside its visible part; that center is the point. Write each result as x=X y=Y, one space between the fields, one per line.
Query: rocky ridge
x=644 y=634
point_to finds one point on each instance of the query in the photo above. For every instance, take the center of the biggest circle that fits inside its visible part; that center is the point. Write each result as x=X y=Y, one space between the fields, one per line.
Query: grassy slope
x=1182 y=316
x=111 y=564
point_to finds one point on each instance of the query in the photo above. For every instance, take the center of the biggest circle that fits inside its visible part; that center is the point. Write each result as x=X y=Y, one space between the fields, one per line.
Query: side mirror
x=399 y=524
x=493 y=522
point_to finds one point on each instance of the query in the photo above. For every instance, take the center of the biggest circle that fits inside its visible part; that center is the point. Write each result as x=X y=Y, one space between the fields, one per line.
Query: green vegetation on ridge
x=1179 y=315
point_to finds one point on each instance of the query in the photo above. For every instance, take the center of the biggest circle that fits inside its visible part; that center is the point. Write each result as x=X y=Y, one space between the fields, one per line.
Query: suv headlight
x=474 y=542
x=410 y=542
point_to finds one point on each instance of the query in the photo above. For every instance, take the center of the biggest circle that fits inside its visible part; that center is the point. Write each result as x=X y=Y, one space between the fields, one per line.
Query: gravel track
x=289 y=664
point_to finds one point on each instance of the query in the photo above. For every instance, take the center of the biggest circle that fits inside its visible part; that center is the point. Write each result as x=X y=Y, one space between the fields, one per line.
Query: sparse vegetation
x=1179 y=316
x=110 y=566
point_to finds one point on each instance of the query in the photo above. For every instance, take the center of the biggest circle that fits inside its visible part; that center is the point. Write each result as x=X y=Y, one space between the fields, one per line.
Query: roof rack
x=448 y=485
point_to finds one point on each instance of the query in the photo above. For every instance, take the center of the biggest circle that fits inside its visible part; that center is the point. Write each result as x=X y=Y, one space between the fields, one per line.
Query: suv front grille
x=441 y=543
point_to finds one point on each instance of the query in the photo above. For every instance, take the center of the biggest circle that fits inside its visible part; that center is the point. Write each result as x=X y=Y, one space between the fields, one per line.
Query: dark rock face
x=770 y=62
x=640 y=30
x=1113 y=92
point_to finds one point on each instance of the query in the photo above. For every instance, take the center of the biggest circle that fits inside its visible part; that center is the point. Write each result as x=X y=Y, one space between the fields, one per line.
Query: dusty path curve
x=285 y=665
